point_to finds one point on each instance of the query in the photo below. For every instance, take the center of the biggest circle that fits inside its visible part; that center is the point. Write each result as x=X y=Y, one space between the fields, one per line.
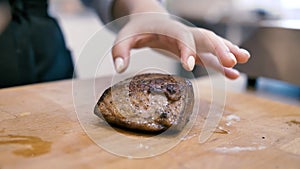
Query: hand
x=191 y=45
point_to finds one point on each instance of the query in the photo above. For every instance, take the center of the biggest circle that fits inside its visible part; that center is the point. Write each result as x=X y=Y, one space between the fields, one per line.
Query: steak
x=147 y=102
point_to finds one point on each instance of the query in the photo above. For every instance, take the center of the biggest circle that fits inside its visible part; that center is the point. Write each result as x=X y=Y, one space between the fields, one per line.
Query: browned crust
x=139 y=89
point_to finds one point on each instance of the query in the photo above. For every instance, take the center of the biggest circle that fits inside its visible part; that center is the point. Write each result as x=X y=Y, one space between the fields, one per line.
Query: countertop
x=39 y=128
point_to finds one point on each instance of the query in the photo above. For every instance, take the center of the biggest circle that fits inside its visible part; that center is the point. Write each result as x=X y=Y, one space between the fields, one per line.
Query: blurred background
x=269 y=29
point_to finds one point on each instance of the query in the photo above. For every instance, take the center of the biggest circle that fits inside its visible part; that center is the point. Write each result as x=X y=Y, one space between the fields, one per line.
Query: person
x=32 y=47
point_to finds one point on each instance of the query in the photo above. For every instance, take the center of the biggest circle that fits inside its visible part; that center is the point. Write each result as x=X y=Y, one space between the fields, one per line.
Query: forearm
x=128 y=7
x=5 y=15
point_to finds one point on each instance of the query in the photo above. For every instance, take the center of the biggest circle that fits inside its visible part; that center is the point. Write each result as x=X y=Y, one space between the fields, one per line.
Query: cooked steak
x=148 y=102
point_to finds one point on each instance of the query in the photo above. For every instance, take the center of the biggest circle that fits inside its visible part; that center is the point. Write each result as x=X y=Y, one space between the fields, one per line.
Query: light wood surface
x=39 y=128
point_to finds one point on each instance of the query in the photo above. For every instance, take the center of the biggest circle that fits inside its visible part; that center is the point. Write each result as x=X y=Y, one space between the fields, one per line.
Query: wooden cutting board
x=39 y=128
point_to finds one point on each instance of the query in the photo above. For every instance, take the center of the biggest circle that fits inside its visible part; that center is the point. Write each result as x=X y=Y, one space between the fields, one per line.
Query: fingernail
x=235 y=71
x=191 y=63
x=232 y=73
x=244 y=51
x=232 y=57
x=119 y=64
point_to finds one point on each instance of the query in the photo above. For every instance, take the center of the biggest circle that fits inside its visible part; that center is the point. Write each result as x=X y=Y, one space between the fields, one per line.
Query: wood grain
x=39 y=128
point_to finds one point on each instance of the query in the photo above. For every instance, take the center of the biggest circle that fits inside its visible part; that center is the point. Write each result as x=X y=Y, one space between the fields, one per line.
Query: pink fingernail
x=191 y=63
x=119 y=64
x=244 y=51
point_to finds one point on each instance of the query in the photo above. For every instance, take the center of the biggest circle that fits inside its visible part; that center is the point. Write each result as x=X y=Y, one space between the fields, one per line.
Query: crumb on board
x=293 y=122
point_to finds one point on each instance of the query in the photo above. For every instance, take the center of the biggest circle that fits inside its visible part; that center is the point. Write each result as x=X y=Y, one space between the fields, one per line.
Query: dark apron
x=32 y=47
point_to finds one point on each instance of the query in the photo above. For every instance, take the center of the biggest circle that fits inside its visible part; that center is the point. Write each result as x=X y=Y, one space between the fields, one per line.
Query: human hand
x=191 y=45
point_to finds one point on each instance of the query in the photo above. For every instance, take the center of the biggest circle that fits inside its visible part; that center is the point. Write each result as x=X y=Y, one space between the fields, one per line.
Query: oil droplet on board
x=37 y=146
x=221 y=130
x=293 y=122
